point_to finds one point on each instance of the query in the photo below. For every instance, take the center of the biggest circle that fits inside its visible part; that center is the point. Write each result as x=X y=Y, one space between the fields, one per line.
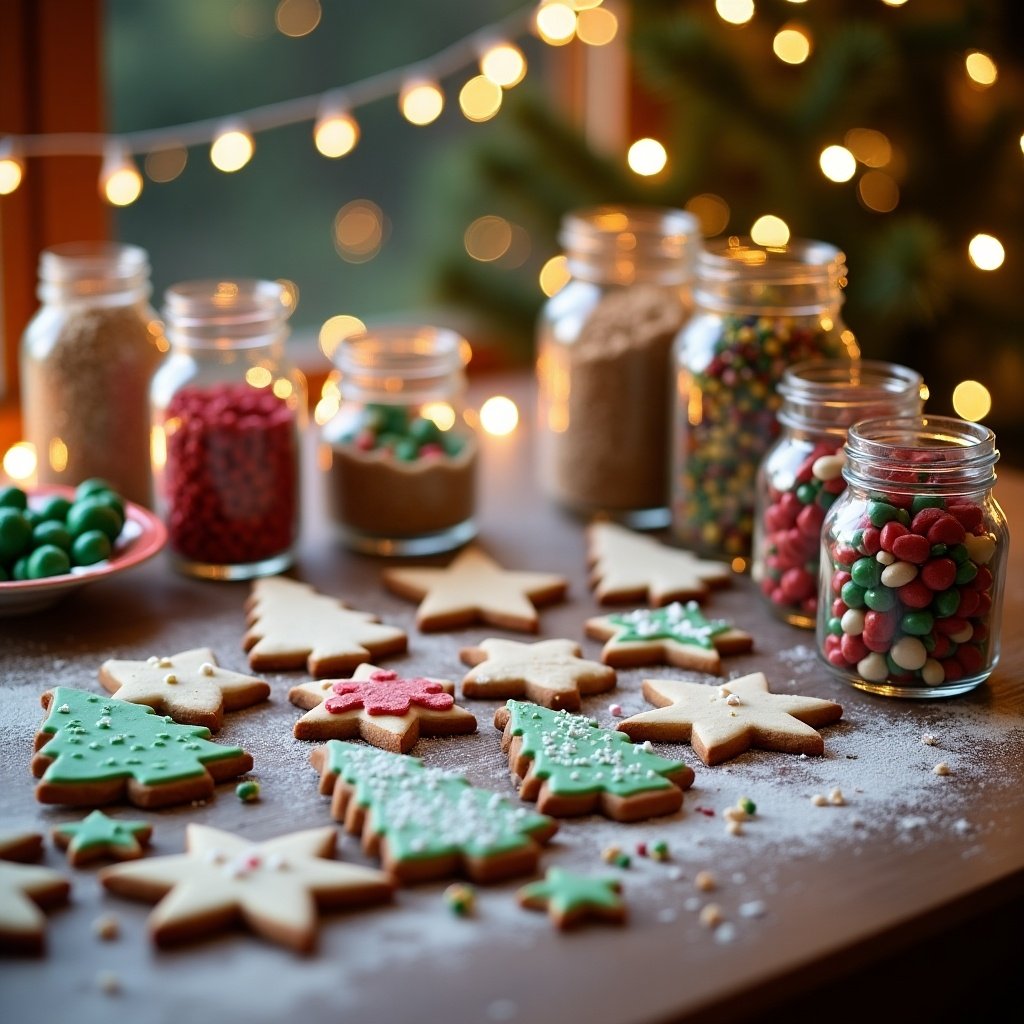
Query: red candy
x=939 y=574
x=911 y=547
x=890 y=534
x=946 y=531
x=871 y=541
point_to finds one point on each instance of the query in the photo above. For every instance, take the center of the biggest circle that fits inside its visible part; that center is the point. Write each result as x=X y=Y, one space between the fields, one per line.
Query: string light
x=646 y=157
x=770 y=231
x=596 y=26
x=555 y=23
x=336 y=131
x=11 y=167
x=499 y=415
x=981 y=68
x=735 y=12
x=120 y=180
x=837 y=163
x=232 y=148
x=971 y=400
x=504 y=64
x=986 y=252
x=792 y=44
x=480 y=98
x=421 y=101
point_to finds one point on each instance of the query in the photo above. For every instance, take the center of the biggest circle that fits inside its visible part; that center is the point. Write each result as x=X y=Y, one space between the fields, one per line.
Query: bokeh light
x=870 y=147
x=297 y=18
x=165 y=164
x=554 y=275
x=336 y=134
x=837 y=163
x=504 y=65
x=358 y=231
x=971 y=400
x=421 y=102
x=735 y=12
x=986 y=252
x=770 y=231
x=646 y=157
x=712 y=211
x=981 y=68
x=480 y=98
x=878 y=191
x=555 y=23
x=596 y=26
x=488 y=238
x=334 y=330
x=10 y=175
x=20 y=461
x=232 y=149
x=792 y=44
x=123 y=185
x=499 y=415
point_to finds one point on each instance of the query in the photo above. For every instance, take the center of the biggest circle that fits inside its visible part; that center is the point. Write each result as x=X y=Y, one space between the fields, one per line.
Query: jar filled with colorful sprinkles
x=758 y=311
x=913 y=559
x=802 y=474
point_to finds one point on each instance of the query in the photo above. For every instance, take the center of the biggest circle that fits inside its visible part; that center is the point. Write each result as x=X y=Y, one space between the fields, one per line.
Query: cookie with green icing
x=94 y=750
x=97 y=837
x=675 y=634
x=571 y=766
x=571 y=898
x=425 y=823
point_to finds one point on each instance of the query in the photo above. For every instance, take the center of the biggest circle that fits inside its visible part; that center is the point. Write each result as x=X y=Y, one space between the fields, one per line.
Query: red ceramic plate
x=142 y=536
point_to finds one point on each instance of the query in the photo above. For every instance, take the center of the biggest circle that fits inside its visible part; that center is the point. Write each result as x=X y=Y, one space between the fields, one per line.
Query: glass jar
x=758 y=310
x=87 y=359
x=399 y=459
x=228 y=415
x=604 y=361
x=913 y=559
x=802 y=474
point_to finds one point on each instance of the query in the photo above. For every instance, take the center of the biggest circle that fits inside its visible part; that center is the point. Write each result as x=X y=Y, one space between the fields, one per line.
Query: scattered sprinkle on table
x=461 y=899
x=705 y=881
x=248 y=792
x=930 y=740
x=941 y=768
x=106 y=927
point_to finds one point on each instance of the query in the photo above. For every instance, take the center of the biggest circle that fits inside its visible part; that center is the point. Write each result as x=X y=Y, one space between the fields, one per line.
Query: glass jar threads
x=758 y=310
x=228 y=414
x=604 y=361
x=87 y=359
x=398 y=457
x=802 y=474
x=913 y=559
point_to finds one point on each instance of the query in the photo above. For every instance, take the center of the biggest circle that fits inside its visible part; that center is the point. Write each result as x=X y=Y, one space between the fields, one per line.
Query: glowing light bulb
x=981 y=68
x=555 y=23
x=488 y=238
x=596 y=26
x=499 y=415
x=646 y=157
x=11 y=172
x=421 y=102
x=232 y=149
x=770 y=231
x=20 y=461
x=504 y=64
x=735 y=12
x=120 y=180
x=837 y=163
x=336 y=134
x=336 y=329
x=166 y=164
x=480 y=98
x=971 y=400
x=554 y=275
x=792 y=44
x=986 y=252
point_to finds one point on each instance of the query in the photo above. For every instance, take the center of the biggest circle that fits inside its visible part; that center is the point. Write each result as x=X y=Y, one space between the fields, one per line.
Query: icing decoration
x=96 y=835
x=569 y=897
x=274 y=887
x=386 y=694
x=197 y=692
x=24 y=889
x=417 y=813
x=102 y=739
x=684 y=624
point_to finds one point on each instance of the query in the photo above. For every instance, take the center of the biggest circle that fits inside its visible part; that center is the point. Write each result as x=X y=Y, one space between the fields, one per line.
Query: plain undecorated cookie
x=26 y=890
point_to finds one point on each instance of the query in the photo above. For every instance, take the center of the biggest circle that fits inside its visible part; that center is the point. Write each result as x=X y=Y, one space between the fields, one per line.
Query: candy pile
x=911 y=591
x=58 y=534
x=787 y=552
x=730 y=423
x=403 y=432
x=231 y=478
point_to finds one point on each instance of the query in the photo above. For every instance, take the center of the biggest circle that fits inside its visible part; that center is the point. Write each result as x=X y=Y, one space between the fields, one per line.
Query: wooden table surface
x=904 y=900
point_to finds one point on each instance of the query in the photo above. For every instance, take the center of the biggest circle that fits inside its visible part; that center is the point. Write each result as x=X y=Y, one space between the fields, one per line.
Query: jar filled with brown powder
x=87 y=357
x=604 y=350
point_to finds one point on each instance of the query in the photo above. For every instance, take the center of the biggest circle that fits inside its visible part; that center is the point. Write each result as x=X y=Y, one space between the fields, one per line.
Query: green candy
x=452 y=444
x=806 y=493
x=20 y=570
x=56 y=508
x=49 y=531
x=959 y=554
x=857 y=540
x=903 y=516
x=90 y=547
x=407 y=450
x=424 y=431
x=248 y=792
x=852 y=595
x=918 y=623
x=866 y=572
x=13 y=497
x=966 y=572
x=826 y=499
x=938 y=550
x=91 y=486
x=835 y=626
x=93 y=514
x=881 y=512
x=112 y=499
x=47 y=560
x=15 y=533
x=880 y=599
x=923 y=501
x=945 y=603
x=929 y=642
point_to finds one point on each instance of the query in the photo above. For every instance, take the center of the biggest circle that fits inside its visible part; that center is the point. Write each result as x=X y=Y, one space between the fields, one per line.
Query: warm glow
x=258 y=377
x=596 y=26
x=739 y=564
x=123 y=186
x=10 y=175
x=986 y=252
x=440 y=413
x=556 y=23
x=421 y=102
x=336 y=329
x=283 y=388
x=891 y=3
x=770 y=231
x=20 y=461
x=878 y=191
x=647 y=157
x=358 y=231
x=554 y=275
x=871 y=148
x=499 y=415
x=336 y=134
x=792 y=44
x=837 y=163
x=232 y=149
x=736 y=12
x=480 y=98
x=981 y=68
x=166 y=164
x=488 y=238
x=712 y=211
x=297 y=18
x=971 y=400
x=504 y=65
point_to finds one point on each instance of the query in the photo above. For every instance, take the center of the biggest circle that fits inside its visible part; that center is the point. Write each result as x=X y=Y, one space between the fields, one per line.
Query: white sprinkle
x=711 y=915
x=836 y=798
x=206 y=668
x=734 y=814
x=961 y=826
x=930 y=740
x=724 y=691
x=725 y=932
x=732 y=700
x=753 y=908
x=819 y=800
x=64 y=709
x=170 y=679
x=615 y=710
x=165 y=663
x=941 y=768
x=734 y=828
x=675 y=873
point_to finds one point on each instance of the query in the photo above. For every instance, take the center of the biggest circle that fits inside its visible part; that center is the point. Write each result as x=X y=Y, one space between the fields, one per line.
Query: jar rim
x=823 y=380
x=226 y=302
x=799 y=261
x=411 y=351
x=627 y=226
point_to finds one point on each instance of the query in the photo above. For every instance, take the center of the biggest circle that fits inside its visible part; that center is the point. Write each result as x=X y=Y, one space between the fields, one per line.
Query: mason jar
x=604 y=345
x=87 y=358
x=397 y=456
x=913 y=559
x=228 y=412
x=802 y=474
x=758 y=311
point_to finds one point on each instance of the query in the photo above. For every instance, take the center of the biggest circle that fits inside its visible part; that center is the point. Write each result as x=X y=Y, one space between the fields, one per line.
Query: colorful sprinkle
x=248 y=792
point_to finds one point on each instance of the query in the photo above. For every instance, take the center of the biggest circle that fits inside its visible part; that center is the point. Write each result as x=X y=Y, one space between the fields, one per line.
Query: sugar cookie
x=571 y=898
x=96 y=837
x=25 y=891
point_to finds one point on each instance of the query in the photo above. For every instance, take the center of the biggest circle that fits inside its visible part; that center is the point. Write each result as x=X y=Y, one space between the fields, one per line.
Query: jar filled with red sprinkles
x=913 y=559
x=228 y=415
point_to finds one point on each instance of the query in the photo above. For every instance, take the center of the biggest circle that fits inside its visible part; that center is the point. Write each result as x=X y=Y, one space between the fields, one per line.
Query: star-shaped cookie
x=274 y=888
x=291 y=626
x=674 y=634
x=475 y=588
x=190 y=686
x=722 y=721
x=96 y=836
x=25 y=891
x=381 y=707
x=550 y=673
x=629 y=566
x=571 y=898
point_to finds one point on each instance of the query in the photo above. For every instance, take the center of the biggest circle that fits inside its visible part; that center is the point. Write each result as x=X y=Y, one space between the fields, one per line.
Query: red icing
x=384 y=693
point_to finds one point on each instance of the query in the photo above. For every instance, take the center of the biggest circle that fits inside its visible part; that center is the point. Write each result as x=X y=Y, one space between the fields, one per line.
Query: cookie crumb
x=106 y=927
x=941 y=768
x=711 y=915
x=610 y=854
x=108 y=983
x=705 y=881
x=930 y=740
x=734 y=828
x=836 y=798
x=819 y=800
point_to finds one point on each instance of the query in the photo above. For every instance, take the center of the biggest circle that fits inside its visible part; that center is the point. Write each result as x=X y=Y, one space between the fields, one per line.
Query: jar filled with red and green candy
x=228 y=413
x=802 y=475
x=913 y=559
x=758 y=311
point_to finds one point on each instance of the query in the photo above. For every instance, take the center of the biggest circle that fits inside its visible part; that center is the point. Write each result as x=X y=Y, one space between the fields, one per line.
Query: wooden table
x=907 y=899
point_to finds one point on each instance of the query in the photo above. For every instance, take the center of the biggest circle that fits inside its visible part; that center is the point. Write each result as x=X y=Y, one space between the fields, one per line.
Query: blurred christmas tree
x=923 y=104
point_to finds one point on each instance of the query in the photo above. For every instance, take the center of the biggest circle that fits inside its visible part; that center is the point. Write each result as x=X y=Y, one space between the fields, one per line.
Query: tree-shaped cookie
x=425 y=823
x=628 y=566
x=94 y=750
x=570 y=898
x=474 y=588
x=675 y=634
x=550 y=673
x=382 y=707
x=190 y=686
x=25 y=891
x=292 y=626
x=274 y=888
x=96 y=837
x=571 y=766
x=722 y=721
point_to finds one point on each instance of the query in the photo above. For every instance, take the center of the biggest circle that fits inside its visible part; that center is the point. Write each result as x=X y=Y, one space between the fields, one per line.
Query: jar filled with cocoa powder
x=604 y=362
x=398 y=457
x=228 y=412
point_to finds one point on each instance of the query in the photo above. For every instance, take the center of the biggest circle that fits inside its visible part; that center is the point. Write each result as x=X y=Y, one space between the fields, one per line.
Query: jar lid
x=85 y=269
x=230 y=311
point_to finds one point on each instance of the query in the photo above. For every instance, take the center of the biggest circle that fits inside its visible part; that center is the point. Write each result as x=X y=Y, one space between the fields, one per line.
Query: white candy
x=981 y=548
x=909 y=653
x=962 y=635
x=873 y=668
x=853 y=621
x=885 y=558
x=898 y=574
x=829 y=467
x=933 y=673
